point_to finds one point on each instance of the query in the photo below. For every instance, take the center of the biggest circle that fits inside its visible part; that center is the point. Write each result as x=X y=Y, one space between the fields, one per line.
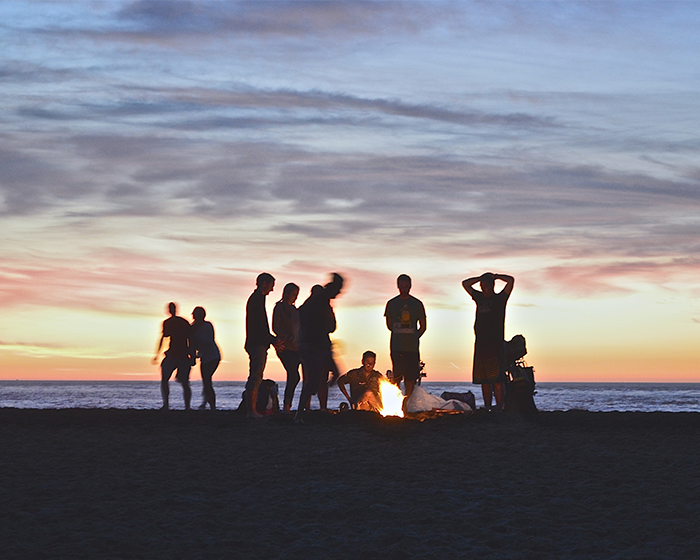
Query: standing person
x=405 y=318
x=204 y=347
x=178 y=356
x=489 y=328
x=317 y=322
x=285 y=324
x=257 y=339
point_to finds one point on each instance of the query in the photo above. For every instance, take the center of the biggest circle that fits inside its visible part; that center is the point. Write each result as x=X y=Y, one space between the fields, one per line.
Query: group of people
x=301 y=338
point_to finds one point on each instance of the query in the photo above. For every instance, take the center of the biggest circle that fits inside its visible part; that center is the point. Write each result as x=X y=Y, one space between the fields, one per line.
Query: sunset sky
x=160 y=151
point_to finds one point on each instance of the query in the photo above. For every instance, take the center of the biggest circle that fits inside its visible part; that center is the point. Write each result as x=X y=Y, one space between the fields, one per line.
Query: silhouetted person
x=364 y=385
x=178 y=356
x=203 y=346
x=257 y=339
x=405 y=318
x=317 y=322
x=489 y=328
x=285 y=324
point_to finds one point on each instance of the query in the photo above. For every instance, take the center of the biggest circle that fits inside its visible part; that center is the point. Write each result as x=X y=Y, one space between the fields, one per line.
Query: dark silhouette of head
x=265 y=282
x=198 y=313
x=316 y=289
x=403 y=282
x=290 y=293
x=334 y=287
x=487 y=281
x=172 y=308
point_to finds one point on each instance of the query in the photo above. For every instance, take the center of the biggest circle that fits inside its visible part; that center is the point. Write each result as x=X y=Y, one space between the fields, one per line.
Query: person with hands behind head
x=489 y=329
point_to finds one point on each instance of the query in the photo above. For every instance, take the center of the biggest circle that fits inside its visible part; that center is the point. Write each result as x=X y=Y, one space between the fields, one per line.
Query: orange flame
x=392 y=399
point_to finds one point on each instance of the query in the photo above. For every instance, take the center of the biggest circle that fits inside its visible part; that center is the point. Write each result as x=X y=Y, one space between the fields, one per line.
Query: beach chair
x=520 y=378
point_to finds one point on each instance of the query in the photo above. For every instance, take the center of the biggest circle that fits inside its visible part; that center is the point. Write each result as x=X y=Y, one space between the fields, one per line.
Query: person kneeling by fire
x=364 y=385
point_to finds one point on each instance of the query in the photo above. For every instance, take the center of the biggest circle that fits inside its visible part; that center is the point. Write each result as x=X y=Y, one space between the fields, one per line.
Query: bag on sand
x=422 y=401
x=268 y=401
x=520 y=389
x=467 y=397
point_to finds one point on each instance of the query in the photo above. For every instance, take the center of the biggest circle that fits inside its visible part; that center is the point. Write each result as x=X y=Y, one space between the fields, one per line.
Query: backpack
x=268 y=401
x=520 y=388
x=268 y=398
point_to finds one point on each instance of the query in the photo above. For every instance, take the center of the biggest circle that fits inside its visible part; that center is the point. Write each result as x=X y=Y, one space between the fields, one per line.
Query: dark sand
x=142 y=484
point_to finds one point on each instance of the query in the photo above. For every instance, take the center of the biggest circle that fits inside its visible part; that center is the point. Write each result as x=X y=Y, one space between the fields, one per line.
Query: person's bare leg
x=323 y=394
x=498 y=392
x=187 y=391
x=409 y=384
x=487 y=393
x=165 y=392
x=304 y=404
x=251 y=397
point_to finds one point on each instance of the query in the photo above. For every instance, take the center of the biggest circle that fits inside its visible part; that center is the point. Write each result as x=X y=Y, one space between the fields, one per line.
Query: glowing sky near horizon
x=170 y=151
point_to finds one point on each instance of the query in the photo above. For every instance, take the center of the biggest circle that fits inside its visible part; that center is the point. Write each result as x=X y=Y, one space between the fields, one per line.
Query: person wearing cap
x=489 y=329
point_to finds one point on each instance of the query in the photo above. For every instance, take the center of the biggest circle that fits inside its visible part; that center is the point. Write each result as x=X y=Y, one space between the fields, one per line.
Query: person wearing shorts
x=178 y=356
x=405 y=318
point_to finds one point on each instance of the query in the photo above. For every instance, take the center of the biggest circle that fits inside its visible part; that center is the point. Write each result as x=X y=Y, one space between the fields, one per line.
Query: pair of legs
x=406 y=366
x=258 y=359
x=322 y=389
x=167 y=367
x=487 y=390
x=328 y=377
x=314 y=367
x=488 y=371
x=369 y=401
x=291 y=361
x=208 y=370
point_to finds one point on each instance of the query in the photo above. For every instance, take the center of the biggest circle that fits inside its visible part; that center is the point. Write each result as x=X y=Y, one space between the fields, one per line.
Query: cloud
x=438 y=200
x=286 y=18
x=195 y=110
x=49 y=350
x=613 y=278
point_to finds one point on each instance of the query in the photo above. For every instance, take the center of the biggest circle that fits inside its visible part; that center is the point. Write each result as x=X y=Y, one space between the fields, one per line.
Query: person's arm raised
x=468 y=284
x=509 y=280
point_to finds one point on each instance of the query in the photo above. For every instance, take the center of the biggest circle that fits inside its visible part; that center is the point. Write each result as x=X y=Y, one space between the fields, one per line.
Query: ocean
x=594 y=397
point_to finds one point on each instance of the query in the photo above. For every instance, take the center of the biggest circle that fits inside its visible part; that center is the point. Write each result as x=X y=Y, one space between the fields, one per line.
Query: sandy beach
x=144 y=484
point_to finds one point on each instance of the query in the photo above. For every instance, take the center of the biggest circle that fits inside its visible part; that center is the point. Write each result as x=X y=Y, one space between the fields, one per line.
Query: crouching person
x=364 y=385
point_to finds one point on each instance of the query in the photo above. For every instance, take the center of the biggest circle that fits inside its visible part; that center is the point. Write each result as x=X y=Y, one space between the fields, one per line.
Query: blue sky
x=157 y=151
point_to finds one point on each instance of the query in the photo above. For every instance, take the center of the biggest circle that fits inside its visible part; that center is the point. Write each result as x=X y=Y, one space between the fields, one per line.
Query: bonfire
x=391 y=397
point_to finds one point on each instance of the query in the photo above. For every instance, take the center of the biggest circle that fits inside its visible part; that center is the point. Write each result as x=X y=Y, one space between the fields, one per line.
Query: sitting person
x=364 y=385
